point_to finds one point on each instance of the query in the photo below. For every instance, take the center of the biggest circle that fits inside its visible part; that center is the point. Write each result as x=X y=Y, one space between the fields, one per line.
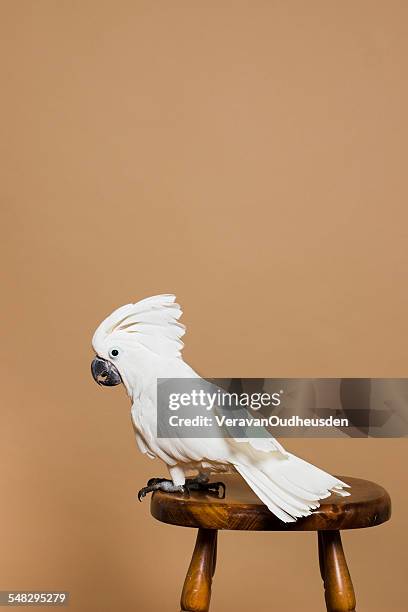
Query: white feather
x=154 y=321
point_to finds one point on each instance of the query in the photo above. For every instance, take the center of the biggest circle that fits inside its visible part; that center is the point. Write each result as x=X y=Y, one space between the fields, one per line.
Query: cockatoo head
x=134 y=336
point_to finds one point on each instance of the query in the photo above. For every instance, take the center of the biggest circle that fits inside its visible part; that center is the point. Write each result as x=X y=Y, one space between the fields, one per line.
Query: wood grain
x=368 y=505
x=338 y=588
x=196 y=593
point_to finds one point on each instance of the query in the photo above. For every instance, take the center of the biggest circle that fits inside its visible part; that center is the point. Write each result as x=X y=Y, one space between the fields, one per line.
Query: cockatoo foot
x=199 y=484
x=160 y=484
x=191 y=484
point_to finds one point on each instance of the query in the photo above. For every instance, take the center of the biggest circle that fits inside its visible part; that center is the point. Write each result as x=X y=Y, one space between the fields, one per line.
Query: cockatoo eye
x=113 y=353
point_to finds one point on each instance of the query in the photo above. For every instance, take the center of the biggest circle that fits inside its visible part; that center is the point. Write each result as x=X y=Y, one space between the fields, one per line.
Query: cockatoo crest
x=151 y=323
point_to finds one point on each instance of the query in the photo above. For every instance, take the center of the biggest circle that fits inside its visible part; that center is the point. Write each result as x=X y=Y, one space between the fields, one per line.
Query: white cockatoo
x=138 y=344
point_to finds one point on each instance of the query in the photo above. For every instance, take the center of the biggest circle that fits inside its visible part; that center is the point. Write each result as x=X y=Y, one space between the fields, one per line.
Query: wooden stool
x=368 y=505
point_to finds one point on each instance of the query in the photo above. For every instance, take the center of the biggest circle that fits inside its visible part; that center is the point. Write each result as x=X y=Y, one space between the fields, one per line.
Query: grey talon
x=161 y=484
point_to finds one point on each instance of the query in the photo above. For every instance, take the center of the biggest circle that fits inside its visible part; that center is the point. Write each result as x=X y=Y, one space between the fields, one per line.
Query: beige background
x=251 y=158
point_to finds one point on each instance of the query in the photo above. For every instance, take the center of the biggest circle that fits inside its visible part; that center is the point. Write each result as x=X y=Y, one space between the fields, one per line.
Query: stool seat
x=367 y=505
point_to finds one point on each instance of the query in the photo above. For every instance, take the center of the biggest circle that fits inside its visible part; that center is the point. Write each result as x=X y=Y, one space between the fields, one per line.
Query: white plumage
x=143 y=341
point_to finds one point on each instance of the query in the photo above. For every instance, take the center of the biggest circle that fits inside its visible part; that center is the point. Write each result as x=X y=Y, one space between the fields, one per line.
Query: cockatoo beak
x=105 y=373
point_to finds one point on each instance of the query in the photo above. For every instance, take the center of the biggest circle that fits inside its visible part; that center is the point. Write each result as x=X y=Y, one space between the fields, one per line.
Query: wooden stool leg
x=196 y=593
x=321 y=553
x=338 y=588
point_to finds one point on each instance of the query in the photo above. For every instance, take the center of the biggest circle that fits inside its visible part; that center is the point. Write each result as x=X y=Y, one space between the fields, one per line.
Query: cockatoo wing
x=257 y=437
x=287 y=485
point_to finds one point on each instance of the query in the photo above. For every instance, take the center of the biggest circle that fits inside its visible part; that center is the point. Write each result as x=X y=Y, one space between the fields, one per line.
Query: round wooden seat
x=368 y=505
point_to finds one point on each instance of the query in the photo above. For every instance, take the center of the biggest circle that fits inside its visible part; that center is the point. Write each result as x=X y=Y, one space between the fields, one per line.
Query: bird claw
x=192 y=484
x=216 y=486
x=208 y=487
x=160 y=484
x=143 y=492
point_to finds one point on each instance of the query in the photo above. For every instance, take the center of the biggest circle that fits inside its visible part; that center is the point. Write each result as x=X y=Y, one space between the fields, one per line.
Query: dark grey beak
x=105 y=373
